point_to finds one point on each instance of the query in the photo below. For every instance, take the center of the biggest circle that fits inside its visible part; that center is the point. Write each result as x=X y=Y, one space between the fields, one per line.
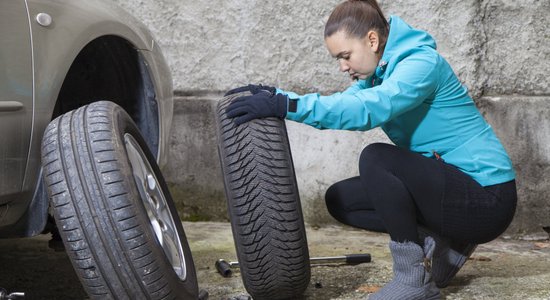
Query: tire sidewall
x=123 y=125
x=98 y=208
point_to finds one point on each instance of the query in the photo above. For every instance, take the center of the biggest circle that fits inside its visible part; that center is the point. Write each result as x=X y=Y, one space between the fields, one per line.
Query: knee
x=333 y=201
x=373 y=156
x=376 y=151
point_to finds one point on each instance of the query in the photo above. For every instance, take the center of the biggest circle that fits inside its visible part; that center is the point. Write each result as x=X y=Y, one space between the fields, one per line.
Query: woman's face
x=356 y=56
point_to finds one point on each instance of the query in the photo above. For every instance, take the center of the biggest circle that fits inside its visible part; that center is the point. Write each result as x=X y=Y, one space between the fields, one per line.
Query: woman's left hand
x=261 y=105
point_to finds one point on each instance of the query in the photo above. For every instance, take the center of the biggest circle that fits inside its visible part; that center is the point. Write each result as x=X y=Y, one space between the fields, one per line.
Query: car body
x=56 y=56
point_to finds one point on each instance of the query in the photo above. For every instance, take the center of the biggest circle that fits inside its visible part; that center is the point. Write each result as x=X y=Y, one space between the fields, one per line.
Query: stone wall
x=499 y=48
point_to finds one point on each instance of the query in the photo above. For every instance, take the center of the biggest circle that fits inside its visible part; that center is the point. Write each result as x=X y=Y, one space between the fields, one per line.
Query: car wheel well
x=110 y=68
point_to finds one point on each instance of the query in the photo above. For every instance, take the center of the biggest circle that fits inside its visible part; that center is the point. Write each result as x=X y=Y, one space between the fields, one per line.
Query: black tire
x=115 y=227
x=264 y=206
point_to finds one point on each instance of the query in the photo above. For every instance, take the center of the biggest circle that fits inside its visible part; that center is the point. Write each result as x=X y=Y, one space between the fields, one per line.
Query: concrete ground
x=502 y=269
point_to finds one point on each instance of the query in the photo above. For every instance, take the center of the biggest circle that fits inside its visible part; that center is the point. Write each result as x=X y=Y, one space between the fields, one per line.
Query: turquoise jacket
x=416 y=98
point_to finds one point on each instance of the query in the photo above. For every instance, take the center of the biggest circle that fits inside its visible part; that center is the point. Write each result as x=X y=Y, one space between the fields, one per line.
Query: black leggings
x=397 y=190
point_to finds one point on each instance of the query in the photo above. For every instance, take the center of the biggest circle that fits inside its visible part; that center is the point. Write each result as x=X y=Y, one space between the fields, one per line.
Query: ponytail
x=357 y=18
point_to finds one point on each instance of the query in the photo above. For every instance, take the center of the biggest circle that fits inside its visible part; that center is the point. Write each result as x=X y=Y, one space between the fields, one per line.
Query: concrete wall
x=499 y=48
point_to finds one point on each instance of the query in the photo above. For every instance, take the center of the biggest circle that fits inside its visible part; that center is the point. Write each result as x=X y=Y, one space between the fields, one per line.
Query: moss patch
x=195 y=203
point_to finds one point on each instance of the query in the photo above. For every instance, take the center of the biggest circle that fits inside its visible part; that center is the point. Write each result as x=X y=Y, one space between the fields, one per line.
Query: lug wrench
x=12 y=296
x=224 y=267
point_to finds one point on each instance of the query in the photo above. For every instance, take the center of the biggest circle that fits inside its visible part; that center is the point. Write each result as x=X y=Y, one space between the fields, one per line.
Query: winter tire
x=264 y=206
x=113 y=209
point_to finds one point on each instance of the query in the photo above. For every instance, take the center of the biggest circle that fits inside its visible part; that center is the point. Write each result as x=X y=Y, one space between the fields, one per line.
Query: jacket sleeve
x=413 y=80
x=352 y=89
x=356 y=87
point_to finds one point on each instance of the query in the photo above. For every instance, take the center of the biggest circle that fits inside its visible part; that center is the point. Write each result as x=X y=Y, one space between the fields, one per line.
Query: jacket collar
x=402 y=41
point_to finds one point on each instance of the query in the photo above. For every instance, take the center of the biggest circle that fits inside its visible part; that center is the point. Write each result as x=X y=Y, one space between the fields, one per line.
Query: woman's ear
x=373 y=40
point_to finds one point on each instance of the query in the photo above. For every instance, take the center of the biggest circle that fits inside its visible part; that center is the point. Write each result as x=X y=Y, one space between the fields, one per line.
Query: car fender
x=74 y=24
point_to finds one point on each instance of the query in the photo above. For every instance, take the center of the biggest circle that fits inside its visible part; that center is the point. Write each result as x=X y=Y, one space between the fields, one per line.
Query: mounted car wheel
x=264 y=206
x=113 y=209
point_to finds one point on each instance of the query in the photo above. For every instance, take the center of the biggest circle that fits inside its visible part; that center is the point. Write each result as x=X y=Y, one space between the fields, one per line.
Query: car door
x=16 y=98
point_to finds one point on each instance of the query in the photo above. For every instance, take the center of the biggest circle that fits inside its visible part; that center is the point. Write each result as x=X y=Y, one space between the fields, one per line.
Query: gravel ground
x=502 y=269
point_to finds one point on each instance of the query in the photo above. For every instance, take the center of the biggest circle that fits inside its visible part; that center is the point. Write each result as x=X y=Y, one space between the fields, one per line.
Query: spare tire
x=263 y=205
x=113 y=209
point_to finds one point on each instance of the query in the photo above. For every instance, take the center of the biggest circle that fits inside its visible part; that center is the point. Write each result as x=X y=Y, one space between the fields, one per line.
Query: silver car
x=85 y=111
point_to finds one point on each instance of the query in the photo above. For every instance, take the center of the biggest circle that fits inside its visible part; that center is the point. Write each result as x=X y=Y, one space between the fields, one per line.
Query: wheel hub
x=159 y=214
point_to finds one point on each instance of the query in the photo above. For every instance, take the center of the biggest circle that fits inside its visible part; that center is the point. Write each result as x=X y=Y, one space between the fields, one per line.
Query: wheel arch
x=110 y=68
x=107 y=68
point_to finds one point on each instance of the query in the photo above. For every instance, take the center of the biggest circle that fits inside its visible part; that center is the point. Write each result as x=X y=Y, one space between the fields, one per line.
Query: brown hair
x=357 y=18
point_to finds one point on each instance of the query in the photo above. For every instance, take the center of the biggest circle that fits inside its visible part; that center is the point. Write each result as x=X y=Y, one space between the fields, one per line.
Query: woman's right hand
x=252 y=88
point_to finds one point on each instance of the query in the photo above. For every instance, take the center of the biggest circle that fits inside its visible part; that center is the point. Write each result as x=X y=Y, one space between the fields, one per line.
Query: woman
x=445 y=186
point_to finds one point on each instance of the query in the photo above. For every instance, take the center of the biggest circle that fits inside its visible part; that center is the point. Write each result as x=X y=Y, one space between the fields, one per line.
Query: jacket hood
x=402 y=41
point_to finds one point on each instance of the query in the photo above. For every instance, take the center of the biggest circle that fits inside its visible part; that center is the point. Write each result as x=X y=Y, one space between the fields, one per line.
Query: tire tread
x=264 y=206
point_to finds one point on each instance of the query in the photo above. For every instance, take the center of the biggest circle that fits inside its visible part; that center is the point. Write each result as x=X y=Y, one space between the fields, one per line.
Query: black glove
x=260 y=105
x=252 y=88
